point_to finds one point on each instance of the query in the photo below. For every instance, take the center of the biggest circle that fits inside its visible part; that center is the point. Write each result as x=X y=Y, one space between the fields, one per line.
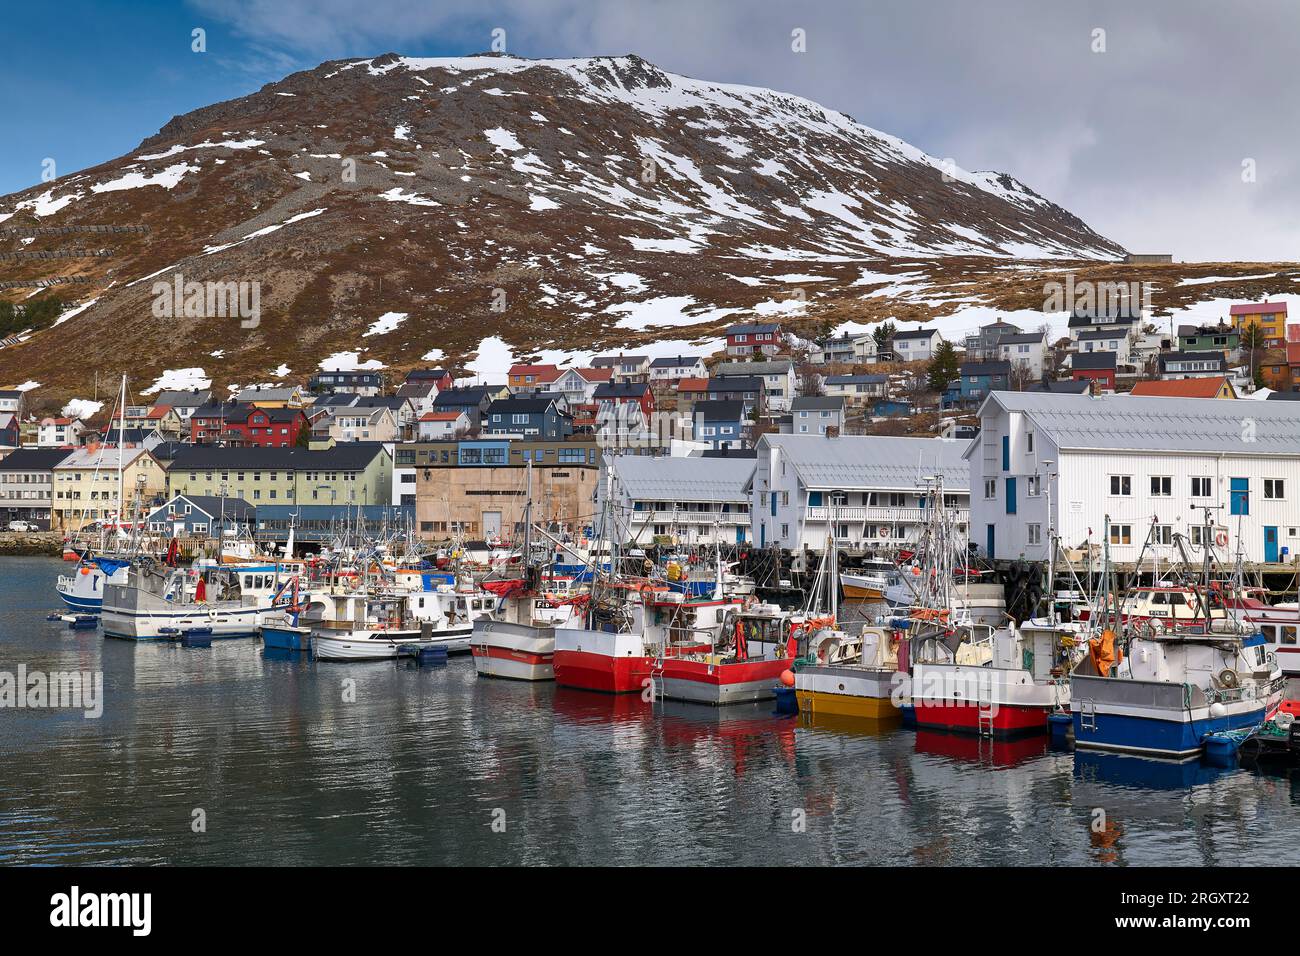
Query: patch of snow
x=349 y=362
x=385 y=323
x=396 y=194
x=402 y=132
x=167 y=179
x=179 y=379
x=82 y=408
x=27 y=386
x=541 y=204
x=227 y=144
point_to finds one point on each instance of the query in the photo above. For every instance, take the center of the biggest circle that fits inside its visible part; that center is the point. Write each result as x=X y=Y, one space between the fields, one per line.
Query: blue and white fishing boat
x=83 y=590
x=1171 y=690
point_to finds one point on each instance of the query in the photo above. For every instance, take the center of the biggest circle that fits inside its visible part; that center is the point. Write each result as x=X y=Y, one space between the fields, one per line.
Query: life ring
x=1221 y=539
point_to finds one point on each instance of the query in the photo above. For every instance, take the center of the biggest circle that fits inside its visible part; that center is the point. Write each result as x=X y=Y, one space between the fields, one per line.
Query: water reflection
x=391 y=763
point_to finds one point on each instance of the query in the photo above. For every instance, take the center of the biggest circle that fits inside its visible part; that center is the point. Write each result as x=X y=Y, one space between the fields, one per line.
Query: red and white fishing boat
x=517 y=638
x=998 y=682
x=629 y=629
x=749 y=649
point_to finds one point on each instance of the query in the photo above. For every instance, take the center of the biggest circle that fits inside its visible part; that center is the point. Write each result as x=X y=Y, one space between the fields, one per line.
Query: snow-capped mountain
x=398 y=211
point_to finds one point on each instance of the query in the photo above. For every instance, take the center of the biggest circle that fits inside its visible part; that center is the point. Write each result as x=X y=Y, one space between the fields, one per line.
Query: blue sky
x=1144 y=139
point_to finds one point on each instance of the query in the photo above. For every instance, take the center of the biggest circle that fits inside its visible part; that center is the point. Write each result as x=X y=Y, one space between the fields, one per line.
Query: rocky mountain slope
x=397 y=212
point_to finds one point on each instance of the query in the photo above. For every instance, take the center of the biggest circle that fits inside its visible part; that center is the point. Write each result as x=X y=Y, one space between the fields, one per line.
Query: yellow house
x=1269 y=316
x=273 y=397
x=86 y=485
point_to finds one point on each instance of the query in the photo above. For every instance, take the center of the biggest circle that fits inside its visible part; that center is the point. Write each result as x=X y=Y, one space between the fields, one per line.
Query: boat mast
x=121 y=452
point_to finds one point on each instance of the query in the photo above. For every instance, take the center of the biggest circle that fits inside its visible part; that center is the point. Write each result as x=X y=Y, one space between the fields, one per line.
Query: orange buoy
x=787 y=678
x=85 y=570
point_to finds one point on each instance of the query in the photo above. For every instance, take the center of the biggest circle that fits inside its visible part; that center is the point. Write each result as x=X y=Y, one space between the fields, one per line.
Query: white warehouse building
x=1152 y=464
x=872 y=488
x=693 y=499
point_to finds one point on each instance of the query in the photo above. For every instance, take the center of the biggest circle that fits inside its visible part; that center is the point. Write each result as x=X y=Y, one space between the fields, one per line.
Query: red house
x=1095 y=367
x=247 y=426
x=619 y=393
x=751 y=337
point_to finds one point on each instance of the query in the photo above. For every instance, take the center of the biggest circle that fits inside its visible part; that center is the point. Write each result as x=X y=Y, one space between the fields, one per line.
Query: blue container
x=197 y=637
x=908 y=712
x=786 y=701
x=434 y=654
x=1060 y=725
x=83 y=622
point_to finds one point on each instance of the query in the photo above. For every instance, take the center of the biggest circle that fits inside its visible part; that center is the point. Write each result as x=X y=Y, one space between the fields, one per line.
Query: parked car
x=22 y=526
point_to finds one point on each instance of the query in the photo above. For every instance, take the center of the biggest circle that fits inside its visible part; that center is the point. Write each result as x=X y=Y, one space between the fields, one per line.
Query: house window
x=1162 y=534
x=1034 y=486
x=1201 y=488
x=1273 y=489
x=1121 y=485
x=1034 y=533
x=1121 y=534
x=1029 y=443
x=1162 y=486
x=990 y=489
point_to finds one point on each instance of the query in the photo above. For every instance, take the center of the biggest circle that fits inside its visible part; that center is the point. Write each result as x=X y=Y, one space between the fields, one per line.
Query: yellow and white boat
x=858 y=678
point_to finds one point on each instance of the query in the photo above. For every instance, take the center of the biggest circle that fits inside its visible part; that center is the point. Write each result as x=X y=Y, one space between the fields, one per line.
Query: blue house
x=200 y=515
x=977 y=379
x=531 y=416
x=721 y=423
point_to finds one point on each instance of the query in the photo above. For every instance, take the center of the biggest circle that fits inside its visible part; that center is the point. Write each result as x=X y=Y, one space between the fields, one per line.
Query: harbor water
x=222 y=755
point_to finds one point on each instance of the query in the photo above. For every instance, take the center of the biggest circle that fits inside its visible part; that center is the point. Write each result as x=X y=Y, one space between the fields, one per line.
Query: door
x=492 y=525
x=988 y=543
x=1270 y=545
x=1011 y=496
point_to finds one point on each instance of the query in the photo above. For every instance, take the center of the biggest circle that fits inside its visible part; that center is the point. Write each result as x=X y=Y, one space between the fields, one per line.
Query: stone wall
x=14 y=543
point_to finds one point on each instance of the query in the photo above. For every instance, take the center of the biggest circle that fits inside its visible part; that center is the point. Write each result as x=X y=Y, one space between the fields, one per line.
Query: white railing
x=877 y=513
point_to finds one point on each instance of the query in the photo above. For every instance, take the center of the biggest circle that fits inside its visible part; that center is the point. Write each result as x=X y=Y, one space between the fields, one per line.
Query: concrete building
x=871 y=490
x=1131 y=468
x=479 y=488
x=680 y=500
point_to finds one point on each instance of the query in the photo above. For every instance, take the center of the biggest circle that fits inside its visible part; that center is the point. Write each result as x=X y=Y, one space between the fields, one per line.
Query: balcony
x=879 y=513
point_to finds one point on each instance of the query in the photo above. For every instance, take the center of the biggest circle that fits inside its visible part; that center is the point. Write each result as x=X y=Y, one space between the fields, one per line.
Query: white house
x=1103 y=340
x=777 y=375
x=674 y=368
x=915 y=344
x=695 y=500
x=859 y=348
x=873 y=489
x=1129 y=468
x=624 y=368
x=856 y=389
x=58 y=432
x=1192 y=364
x=437 y=426
x=814 y=414
x=1026 y=351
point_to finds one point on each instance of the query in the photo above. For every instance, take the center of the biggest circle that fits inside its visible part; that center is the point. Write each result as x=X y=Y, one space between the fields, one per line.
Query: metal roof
x=873 y=461
x=646 y=478
x=1155 y=423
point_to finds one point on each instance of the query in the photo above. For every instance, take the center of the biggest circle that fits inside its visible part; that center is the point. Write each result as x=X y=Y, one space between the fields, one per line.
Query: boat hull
x=371 y=645
x=513 y=651
x=284 y=637
x=716 y=683
x=1153 y=718
x=846 y=691
x=973 y=699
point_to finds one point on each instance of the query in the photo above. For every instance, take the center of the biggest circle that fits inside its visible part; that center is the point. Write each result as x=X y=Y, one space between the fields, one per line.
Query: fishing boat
x=152 y=601
x=870 y=581
x=516 y=639
x=747 y=650
x=997 y=682
x=376 y=623
x=855 y=676
x=1174 y=684
x=83 y=590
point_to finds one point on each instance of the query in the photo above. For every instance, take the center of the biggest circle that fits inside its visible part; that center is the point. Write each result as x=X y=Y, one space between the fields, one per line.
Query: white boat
x=516 y=639
x=856 y=676
x=364 y=624
x=154 y=602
